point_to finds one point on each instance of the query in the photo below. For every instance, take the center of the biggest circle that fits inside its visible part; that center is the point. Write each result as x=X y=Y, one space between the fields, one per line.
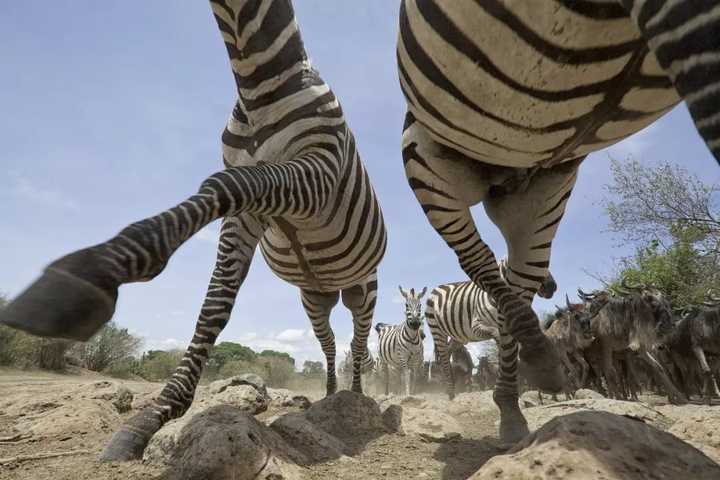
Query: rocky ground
x=238 y=429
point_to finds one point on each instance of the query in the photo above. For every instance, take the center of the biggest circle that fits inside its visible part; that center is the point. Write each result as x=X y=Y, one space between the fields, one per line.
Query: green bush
x=159 y=365
x=108 y=349
x=126 y=368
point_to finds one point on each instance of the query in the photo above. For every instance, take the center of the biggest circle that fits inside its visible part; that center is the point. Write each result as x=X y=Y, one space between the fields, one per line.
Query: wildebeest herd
x=619 y=342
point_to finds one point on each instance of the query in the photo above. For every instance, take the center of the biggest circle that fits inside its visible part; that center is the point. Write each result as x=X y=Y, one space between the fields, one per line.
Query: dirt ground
x=49 y=413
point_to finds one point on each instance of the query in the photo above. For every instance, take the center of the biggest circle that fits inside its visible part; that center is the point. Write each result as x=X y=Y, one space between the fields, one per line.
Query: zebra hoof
x=542 y=367
x=124 y=446
x=513 y=430
x=67 y=301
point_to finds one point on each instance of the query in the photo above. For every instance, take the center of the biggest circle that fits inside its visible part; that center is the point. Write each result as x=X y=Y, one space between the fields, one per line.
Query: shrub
x=107 y=349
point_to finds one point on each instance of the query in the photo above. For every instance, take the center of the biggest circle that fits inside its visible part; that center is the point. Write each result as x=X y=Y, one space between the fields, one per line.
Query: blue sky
x=112 y=111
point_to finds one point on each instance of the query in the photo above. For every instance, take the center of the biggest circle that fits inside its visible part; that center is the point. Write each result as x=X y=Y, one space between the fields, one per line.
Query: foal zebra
x=505 y=98
x=400 y=347
x=293 y=183
x=465 y=313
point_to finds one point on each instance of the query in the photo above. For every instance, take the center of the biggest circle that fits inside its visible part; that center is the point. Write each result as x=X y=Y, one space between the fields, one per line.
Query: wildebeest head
x=579 y=318
x=661 y=309
x=595 y=300
x=413 y=306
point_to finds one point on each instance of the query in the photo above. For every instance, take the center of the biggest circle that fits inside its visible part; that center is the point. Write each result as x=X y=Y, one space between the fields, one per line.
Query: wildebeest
x=633 y=321
x=486 y=374
x=570 y=331
x=462 y=365
x=695 y=336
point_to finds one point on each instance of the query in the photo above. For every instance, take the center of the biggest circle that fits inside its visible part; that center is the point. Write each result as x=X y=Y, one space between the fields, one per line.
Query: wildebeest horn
x=585 y=296
x=567 y=301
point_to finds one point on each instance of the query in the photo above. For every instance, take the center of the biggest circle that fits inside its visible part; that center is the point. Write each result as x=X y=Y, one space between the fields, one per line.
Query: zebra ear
x=412 y=292
x=424 y=291
x=402 y=292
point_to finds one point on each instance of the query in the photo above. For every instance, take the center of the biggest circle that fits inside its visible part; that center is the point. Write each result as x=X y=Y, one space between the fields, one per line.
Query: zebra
x=293 y=184
x=400 y=347
x=465 y=313
x=505 y=98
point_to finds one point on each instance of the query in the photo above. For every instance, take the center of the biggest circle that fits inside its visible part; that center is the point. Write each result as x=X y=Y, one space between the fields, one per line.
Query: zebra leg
x=318 y=306
x=76 y=294
x=684 y=39
x=406 y=380
x=528 y=219
x=446 y=184
x=360 y=300
x=238 y=238
x=443 y=357
x=513 y=426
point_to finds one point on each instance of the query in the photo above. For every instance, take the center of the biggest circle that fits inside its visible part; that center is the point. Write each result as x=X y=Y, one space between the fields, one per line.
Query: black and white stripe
x=400 y=347
x=506 y=98
x=465 y=313
x=293 y=183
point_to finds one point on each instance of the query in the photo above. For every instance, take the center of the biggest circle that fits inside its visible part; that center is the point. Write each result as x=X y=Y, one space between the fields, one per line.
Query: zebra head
x=413 y=307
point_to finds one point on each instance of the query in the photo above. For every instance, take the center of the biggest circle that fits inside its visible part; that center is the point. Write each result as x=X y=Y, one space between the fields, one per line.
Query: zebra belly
x=319 y=259
x=519 y=83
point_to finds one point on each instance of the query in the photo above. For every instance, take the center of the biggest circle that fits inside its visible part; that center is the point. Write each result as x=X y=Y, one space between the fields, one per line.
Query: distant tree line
x=115 y=351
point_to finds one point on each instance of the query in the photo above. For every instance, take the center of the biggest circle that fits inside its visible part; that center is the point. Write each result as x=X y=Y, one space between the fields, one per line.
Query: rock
x=538 y=416
x=392 y=418
x=301 y=402
x=123 y=400
x=143 y=400
x=346 y=414
x=600 y=445
x=282 y=397
x=250 y=379
x=431 y=425
x=242 y=396
x=162 y=445
x=586 y=393
x=312 y=441
x=119 y=395
x=225 y=443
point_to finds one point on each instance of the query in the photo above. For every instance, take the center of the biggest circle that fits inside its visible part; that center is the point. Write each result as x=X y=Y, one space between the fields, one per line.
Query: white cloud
x=635 y=145
x=292 y=335
x=163 y=344
x=209 y=234
x=41 y=194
